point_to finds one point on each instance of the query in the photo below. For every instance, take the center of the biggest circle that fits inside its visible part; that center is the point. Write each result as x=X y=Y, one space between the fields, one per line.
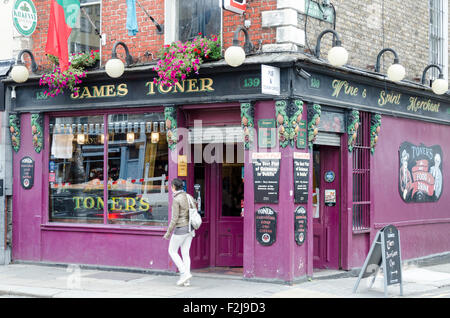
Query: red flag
x=63 y=14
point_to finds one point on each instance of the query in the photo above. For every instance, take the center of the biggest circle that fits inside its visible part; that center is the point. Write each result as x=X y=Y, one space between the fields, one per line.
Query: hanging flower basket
x=57 y=81
x=181 y=59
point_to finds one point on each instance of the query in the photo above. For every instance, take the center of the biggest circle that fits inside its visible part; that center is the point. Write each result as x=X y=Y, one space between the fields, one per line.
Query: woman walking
x=181 y=237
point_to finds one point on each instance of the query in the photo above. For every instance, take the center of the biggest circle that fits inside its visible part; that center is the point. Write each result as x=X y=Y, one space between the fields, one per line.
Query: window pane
x=76 y=169
x=137 y=169
x=83 y=37
x=203 y=16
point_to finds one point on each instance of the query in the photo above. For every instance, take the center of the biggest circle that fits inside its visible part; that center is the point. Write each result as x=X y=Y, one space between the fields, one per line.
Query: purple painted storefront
x=352 y=188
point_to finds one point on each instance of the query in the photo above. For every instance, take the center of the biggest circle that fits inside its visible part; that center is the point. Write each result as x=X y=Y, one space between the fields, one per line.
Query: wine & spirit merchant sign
x=24 y=17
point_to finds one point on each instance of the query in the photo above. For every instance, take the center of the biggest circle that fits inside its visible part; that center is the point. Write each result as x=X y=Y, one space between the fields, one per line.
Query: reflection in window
x=201 y=16
x=137 y=186
x=137 y=169
x=76 y=169
x=84 y=37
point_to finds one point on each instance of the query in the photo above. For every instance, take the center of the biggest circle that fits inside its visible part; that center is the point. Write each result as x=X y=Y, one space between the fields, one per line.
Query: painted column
x=285 y=259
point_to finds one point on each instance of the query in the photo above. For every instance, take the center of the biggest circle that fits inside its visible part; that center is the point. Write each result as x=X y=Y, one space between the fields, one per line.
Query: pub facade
x=285 y=183
x=295 y=164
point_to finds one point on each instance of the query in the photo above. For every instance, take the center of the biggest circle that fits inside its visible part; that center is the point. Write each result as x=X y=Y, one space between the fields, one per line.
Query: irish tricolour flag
x=63 y=16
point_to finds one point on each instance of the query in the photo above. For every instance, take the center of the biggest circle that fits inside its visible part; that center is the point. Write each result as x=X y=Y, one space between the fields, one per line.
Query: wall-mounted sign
x=330 y=197
x=24 y=17
x=420 y=172
x=302 y=135
x=270 y=80
x=236 y=6
x=266 y=176
x=182 y=165
x=27 y=172
x=384 y=252
x=300 y=225
x=301 y=176
x=266 y=226
x=266 y=133
x=329 y=176
x=378 y=97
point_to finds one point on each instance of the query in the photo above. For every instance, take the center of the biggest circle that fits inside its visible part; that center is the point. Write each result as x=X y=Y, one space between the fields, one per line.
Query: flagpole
x=92 y=23
x=160 y=30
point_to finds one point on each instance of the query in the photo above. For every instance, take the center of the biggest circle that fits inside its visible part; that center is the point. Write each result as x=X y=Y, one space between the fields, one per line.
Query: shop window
x=135 y=182
x=186 y=19
x=361 y=176
x=84 y=36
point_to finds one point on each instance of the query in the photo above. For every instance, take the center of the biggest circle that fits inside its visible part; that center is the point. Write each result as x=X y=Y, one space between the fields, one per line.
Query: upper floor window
x=438 y=37
x=184 y=20
x=84 y=36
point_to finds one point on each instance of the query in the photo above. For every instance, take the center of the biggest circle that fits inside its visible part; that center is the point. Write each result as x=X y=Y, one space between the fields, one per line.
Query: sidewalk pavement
x=56 y=281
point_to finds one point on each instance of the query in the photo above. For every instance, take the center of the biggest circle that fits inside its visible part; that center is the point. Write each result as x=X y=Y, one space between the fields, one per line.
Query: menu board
x=266 y=226
x=385 y=253
x=392 y=255
x=300 y=225
x=266 y=176
x=301 y=176
x=27 y=172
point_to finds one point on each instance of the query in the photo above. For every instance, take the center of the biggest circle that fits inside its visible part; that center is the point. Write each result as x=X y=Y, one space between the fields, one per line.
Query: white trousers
x=184 y=242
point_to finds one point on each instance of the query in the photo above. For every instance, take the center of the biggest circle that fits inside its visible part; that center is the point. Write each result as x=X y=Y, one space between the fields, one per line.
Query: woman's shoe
x=184 y=277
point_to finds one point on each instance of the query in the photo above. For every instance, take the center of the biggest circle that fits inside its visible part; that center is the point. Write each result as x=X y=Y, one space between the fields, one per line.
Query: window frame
x=94 y=2
x=171 y=21
x=438 y=37
x=47 y=224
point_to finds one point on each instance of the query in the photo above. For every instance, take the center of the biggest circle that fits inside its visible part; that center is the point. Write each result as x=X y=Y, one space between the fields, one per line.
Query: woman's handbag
x=195 y=219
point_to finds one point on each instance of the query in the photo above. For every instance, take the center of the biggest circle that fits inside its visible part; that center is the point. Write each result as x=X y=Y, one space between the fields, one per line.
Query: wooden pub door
x=326 y=207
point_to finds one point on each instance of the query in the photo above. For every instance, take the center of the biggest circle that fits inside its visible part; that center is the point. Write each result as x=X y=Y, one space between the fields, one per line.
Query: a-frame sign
x=384 y=252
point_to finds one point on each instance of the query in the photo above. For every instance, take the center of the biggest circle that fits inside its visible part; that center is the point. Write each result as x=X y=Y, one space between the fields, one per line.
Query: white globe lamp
x=234 y=56
x=396 y=72
x=439 y=86
x=19 y=73
x=114 y=68
x=338 y=56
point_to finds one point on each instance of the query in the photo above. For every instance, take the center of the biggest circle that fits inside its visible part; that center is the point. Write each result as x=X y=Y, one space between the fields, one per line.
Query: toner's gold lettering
x=179 y=87
x=163 y=89
x=206 y=85
x=144 y=206
x=114 y=202
x=192 y=86
x=91 y=203
x=128 y=206
x=77 y=202
x=151 y=88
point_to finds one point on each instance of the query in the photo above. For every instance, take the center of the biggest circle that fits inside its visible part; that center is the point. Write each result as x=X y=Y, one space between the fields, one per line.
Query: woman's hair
x=177 y=183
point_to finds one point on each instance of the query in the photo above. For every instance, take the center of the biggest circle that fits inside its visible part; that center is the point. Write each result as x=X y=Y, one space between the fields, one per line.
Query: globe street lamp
x=115 y=67
x=235 y=54
x=337 y=55
x=396 y=72
x=439 y=85
x=19 y=72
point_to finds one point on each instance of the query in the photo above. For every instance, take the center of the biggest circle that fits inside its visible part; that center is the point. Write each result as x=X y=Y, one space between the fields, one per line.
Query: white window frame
x=100 y=43
x=439 y=38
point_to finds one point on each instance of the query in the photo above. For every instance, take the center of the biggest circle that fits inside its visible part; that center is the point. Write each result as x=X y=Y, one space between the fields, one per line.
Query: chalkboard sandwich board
x=385 y=252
